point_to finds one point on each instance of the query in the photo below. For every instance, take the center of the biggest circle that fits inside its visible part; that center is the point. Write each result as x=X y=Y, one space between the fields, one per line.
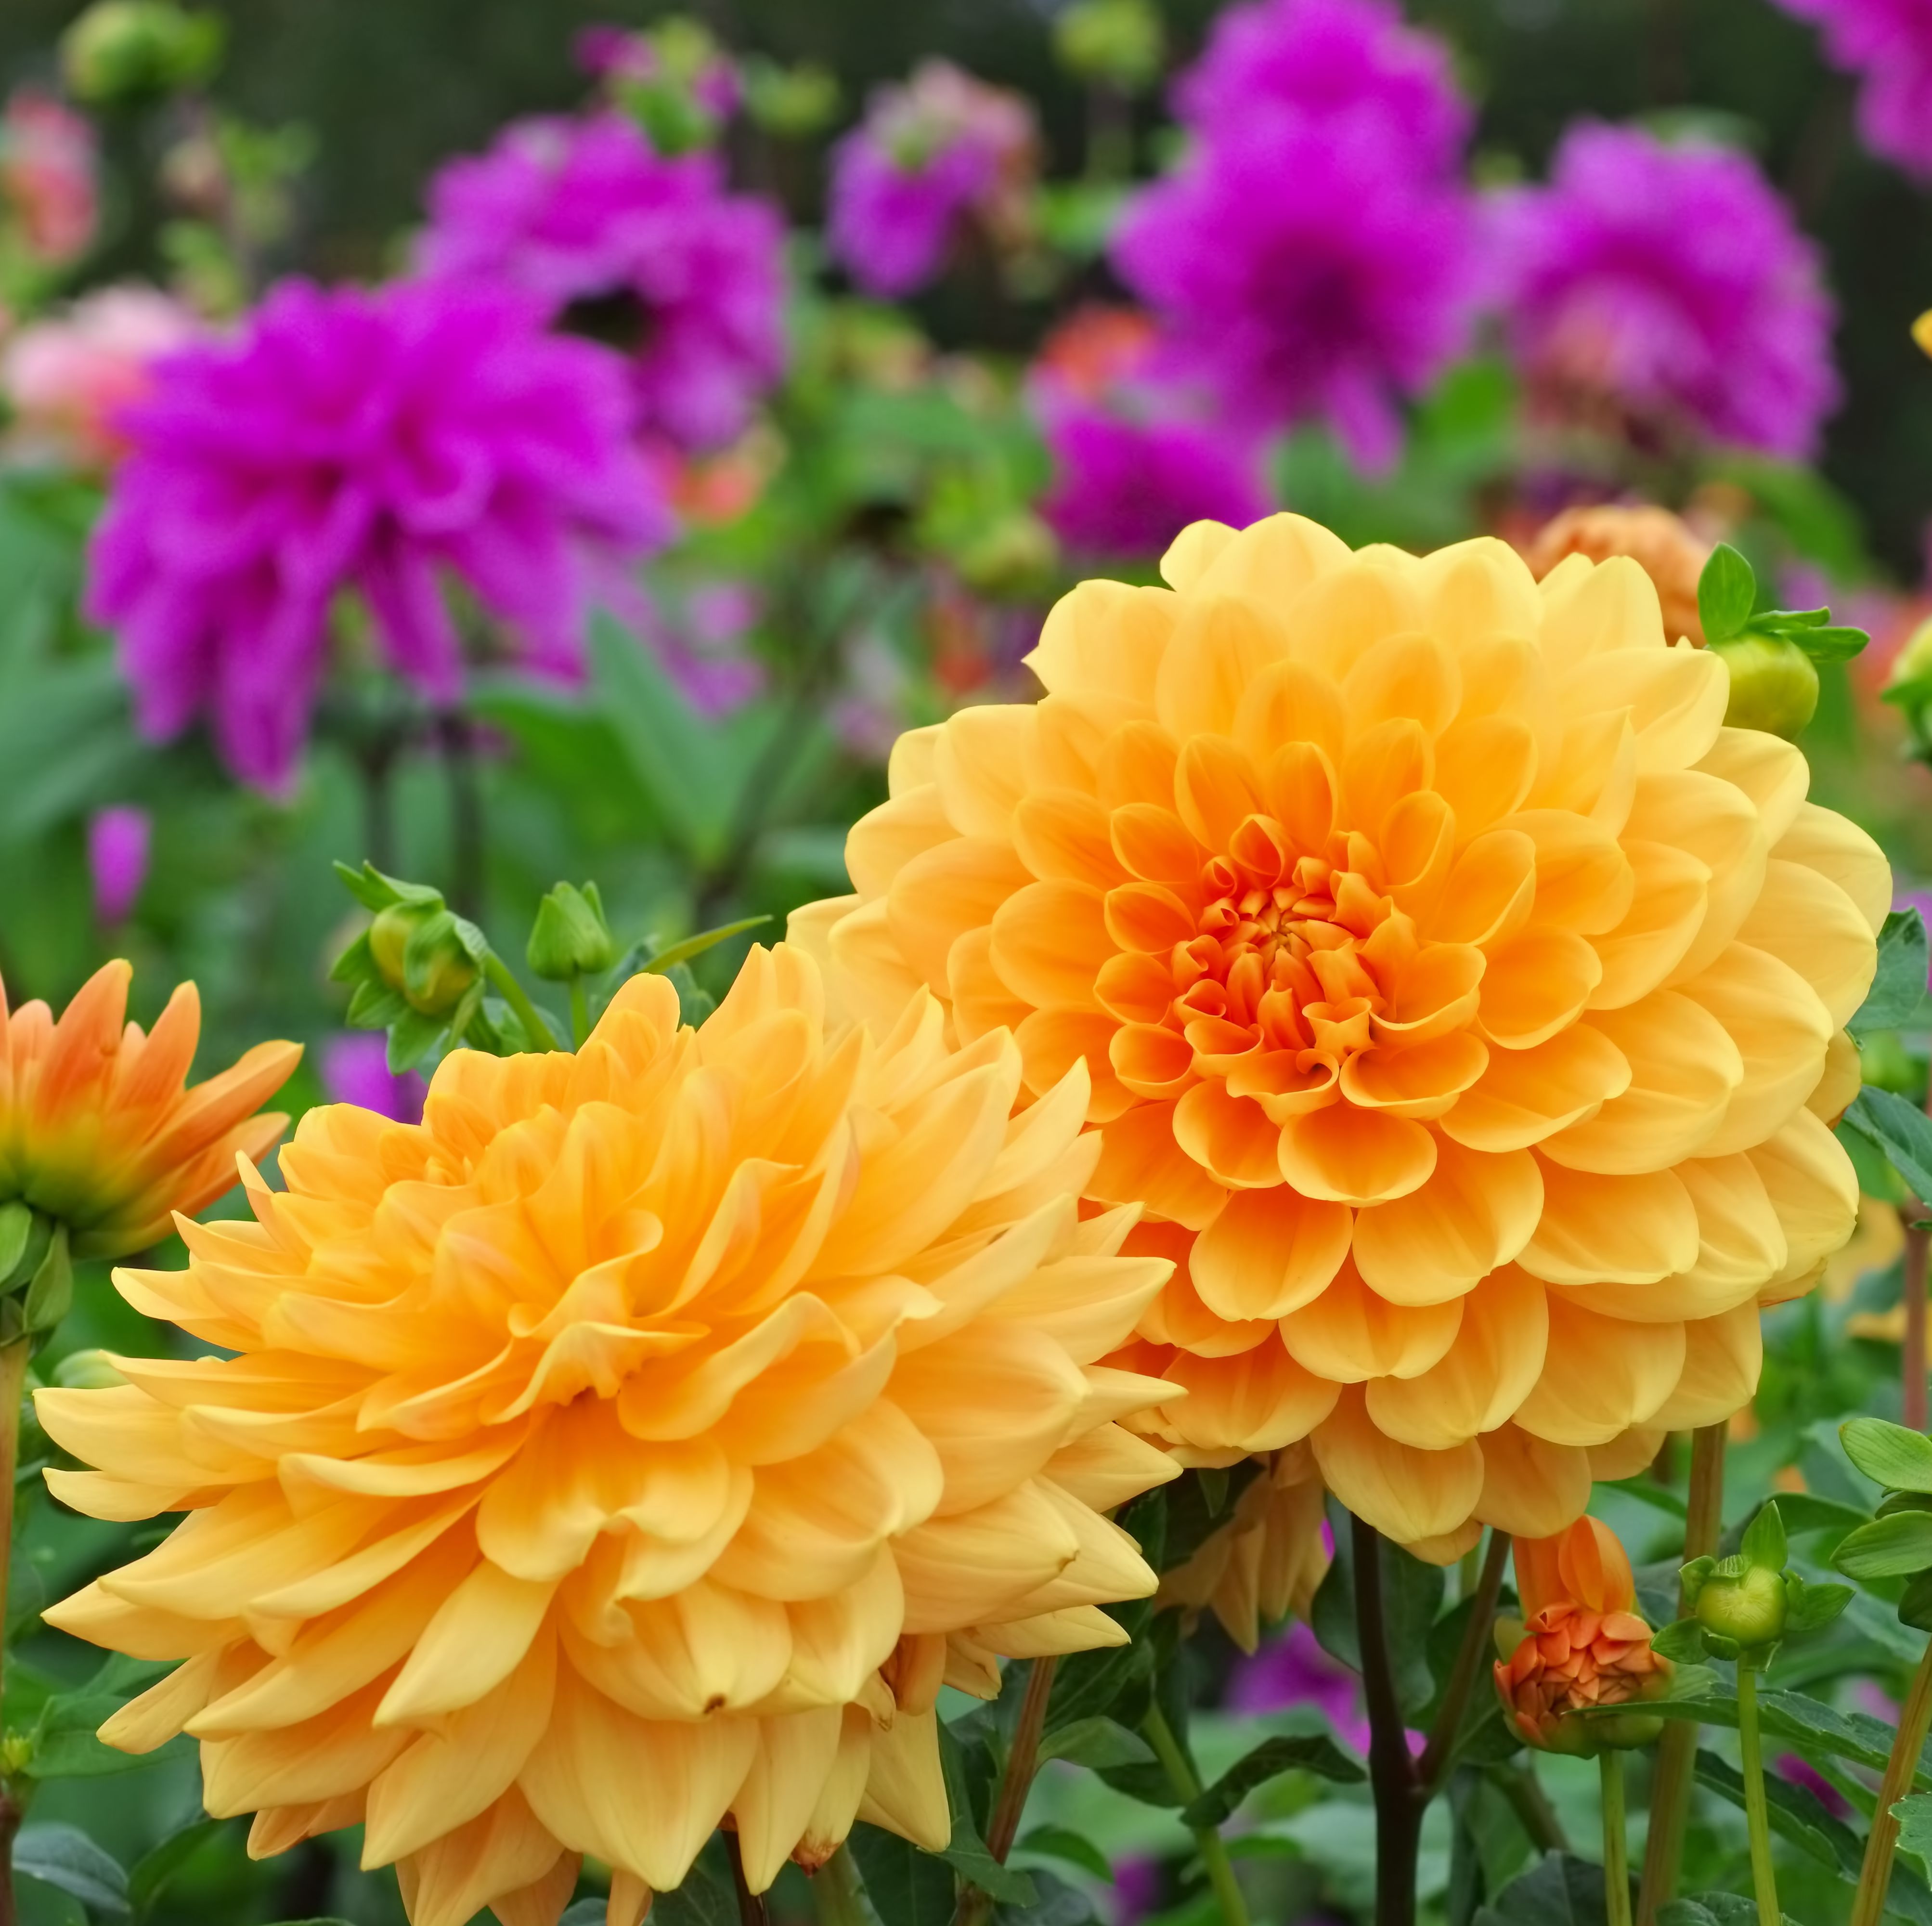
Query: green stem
x=513 y=993
x=1616 y=1863
x=13 y=1377
x=579 y=1012
x=1763 y=1879
x=1671 y=1774
x=1914 y=1720
x=1432 y=1768
x=835 y=1889
x=976 y=1903
x=1213 y=1852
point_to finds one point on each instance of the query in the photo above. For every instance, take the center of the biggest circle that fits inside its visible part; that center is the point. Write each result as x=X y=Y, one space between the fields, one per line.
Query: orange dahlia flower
x=98 y=1129
x=637 y=1443
x=1464 y=996
x=1580 y=1643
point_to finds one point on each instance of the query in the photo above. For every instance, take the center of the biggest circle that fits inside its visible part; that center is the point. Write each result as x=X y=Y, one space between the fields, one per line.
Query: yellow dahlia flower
x=1465 y=995
x=641 y=1440
x=98 y=1129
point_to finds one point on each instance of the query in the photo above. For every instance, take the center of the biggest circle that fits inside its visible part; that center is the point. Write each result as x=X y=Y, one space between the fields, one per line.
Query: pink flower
x=47 y=175
x=380 y=440
x=117 y=839
x=1888 y=44
x=70 y=378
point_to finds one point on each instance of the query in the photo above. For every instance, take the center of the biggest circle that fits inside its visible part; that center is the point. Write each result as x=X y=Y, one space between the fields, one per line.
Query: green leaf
x=1562 y=1890
x=1682 y=1642
x=908 y=1887
x=1809 y=1608
x=1764 y=1545
x=1412 y=1597
x=150 y=1874
x=412 y=1035
x=1888 y=1454
x=1806 y=1511
x=1713 y=1909
x=1726 y=592
x=696 y=946
x=1894 y=1547
x=1804 y=1725
x=966 y=1852
x=1055 y=1903
x=1089 y=1684
x=1904 y=965
x=1835 y=642
x=17 y=1225
x=64 y=1856
x=1901 y=1130
x=703 y=1897
x=1097 y=1743
x=1315 y=1753
x=1060 y=1842
x=1646 y=1490
x=64 y=1746
x=1915 y=1603
x=50 y=1295
x=1914 y=1815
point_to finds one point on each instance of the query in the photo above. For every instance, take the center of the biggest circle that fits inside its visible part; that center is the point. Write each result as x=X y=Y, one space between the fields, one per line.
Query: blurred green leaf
x=1561 y=1890
x=1899 y=987
x=1060 y=1842
x=64 y=1856
x=1901 y=1131
x=1891 y=1455
x=1315 y=1753
x=1097 y=1743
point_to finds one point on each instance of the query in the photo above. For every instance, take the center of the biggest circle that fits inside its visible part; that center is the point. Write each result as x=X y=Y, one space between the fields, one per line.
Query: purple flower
x=926 y=155
x=1294 y=1670
x=1888 y=44
x=356 y=1069
x=1318 y=59
x=371 y=439
x=1672 y=281
x=584 y=214
x=117 y=838
x=1801 y=1772
x=1312 y=266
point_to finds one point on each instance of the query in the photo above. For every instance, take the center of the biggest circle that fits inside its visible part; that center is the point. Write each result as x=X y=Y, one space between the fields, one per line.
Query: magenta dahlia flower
x=927 y=154
x=1321 y=58
x=585 y=215
x=372 y=440
x=1887 y=43
x=1672 y=281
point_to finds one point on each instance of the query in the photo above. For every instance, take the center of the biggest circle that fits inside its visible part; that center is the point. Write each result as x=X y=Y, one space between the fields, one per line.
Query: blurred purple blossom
x=356 y=1069
x=698 y=638
x=608 y=52
x=926 y=154
x=1887 y=43
x=374 y=440
x=584 y=213
x=1801 y=1772
x=1294 y=1670
x=117 y=839
x=1137 y=1889
x=1315 y=249
x=1319 y=58
x=1673 y=280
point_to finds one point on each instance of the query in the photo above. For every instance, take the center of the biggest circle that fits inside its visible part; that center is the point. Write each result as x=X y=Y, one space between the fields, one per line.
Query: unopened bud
x=1748 y=1609
x=419 y=948
x=1115 y=41
x=123 y=50
x=1774 y=685
x=792 y=102
x=88 y=1371
x=570 y=937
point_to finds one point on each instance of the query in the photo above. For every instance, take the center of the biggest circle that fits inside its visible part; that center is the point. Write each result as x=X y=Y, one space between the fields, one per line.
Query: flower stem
x=1208 y=1840
x=751 y=1905
x=1914 y=1720
x=12 y=1377
x=1764 y=1879
x=1677 y=1749
x=514 y=993
x=976 y=1903
x=1616 y=1863
x=579 y=1012
x=1399 y=1799
x=1433 y=1767
x=835 y=1887
x=1912 y=1413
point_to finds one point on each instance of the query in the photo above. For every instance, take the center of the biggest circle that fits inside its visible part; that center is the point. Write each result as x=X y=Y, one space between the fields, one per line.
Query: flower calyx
x=1772 y=654
x=1744 y=1606
x=417 y=969
x=570 y=937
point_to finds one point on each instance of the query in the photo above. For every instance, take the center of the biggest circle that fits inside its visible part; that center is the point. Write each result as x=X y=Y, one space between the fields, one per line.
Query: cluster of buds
x=417 y=970
x=1772 y=654
x=1580 y=1645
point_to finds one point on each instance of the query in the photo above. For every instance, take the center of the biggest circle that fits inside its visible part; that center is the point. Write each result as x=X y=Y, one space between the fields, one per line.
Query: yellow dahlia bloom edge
x=1463 y=999
x=635 y=1445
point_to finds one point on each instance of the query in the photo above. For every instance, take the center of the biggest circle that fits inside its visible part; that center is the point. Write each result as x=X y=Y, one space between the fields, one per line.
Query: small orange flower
x=98 y=1129
x=1581 y=1644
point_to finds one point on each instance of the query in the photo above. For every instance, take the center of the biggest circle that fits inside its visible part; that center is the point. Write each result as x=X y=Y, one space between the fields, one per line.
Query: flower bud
x=123 y=50
x=570 y=937
x=793 y=103
x=419 y=949
x=1774 y=685
x=1115 y=41
x=1908 y=687
x=1748 y=1609
x=88 y=1371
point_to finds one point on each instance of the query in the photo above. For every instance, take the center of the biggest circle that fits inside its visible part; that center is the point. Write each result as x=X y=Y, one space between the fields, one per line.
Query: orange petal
x=1524 y=1096
x=1258 y=1401
x=1625 y=1230
x=1406 y=1495
x=1049 y=941
x=1347 y=1156
x=1538 y=983
x=1232 y=1138
x=1531 y=1488
x=1475 y=1213
x=1141 y=1163
x=1349 y=1334
x=1269 y=1253
x=1601 y=1375
x=1480 y=1379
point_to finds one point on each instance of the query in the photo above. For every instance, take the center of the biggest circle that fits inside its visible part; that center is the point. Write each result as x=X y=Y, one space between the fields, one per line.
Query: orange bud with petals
x=1581 y=1644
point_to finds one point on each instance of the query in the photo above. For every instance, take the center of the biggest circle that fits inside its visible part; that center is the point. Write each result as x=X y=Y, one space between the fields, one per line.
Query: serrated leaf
x=1726 y=591
x=1097 y=1743
x=64 y=1856
x=1061 y=1842
x=1901 y=1131
x=1914 y=1814
x=1904 y=963
x=1763 y=1545
x=1894 y=1547
x=1888 y=1454
x=1315 y=1753
x=1682 y=1642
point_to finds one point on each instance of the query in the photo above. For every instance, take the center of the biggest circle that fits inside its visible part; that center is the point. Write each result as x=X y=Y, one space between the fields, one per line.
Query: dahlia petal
x=1625 y=1230
x=884 y=840
x=1049 y=941
x=1415 y=1080
x=1842 y=1079
x=1051 y=1041
x=1492 y=1366
x=502 y=1859
x=1353 y=603
x=1107 y=637
x=1349 y=1156
x=977 y=1565
x=1350 y=1334
x=1219 y=647
x=1140 y=1162
x=1672 y=900
x=1215 y=789
x=479 y=1635
x=1524 y=1096
x=1136 y=764
x=1484 y=767
x=1103 y=1469
x=1491 y=891
x=1268 y=1253
x=1406 y=1495
x=979 y=766
x=1612 y=607
x=1192 y=553
x=1233 y=1138
x=336 y=1752
x=1723 y=1356
x=1272 y=559
x=1475 y=1213
x=1601 y=1375
x=1063 y=835
x=1781 y=1030
x=906 y=1791
x=1476 y=589
x=1807 y=922
x=951 y=888
x=1382 y=768
x=1259 y=1400
x=1772 y=773
x=796 y=1756
x=1531 y=1488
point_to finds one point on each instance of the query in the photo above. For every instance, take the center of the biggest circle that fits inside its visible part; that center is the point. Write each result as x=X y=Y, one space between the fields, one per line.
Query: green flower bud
x=1774 y=684
x=1748 y=1610
x=419 y=948
x=1115 y=41
x=792 y=102
x=87 y=1371
x=570 y=937
x=1016 y=557
x=125 y=50
x=1909 y=687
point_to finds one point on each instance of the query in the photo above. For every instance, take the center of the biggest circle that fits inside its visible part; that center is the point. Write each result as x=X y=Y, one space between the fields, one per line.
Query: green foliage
x=1899 y=988
x=1319 y=1754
